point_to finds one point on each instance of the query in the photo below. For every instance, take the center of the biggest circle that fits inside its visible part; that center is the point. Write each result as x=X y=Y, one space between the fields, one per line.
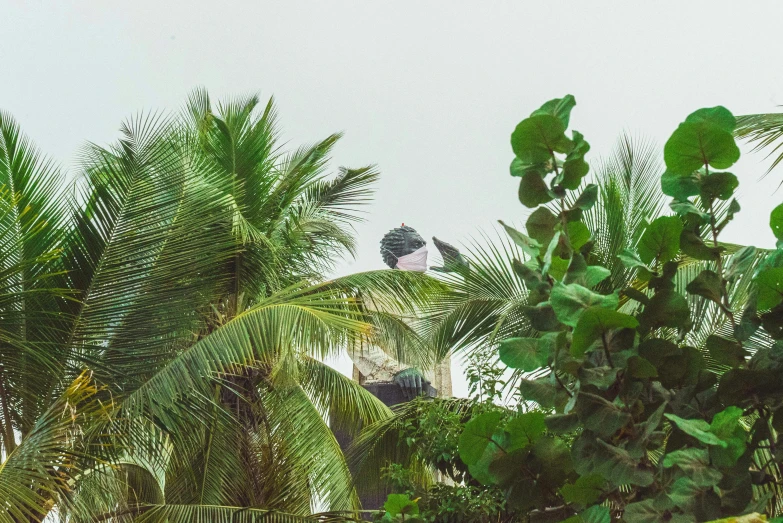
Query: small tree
x=663 y=431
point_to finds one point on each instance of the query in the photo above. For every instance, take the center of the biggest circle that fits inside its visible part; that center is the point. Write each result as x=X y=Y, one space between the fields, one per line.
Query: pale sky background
x=429 y=91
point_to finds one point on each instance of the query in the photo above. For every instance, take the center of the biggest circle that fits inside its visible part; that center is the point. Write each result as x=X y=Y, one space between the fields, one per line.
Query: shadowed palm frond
x=39 y=472
x=33 y=290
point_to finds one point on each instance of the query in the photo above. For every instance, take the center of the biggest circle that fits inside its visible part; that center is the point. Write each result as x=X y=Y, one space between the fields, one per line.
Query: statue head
x=401 y=242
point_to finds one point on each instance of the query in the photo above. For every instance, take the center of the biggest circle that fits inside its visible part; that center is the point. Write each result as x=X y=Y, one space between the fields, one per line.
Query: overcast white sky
x=429 y=91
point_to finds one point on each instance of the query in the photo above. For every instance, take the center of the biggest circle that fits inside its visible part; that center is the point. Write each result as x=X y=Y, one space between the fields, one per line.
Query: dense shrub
x=645 y=421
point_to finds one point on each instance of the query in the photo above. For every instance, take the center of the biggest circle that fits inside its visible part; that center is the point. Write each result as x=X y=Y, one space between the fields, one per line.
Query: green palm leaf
x=764 y=131
x=39 y=471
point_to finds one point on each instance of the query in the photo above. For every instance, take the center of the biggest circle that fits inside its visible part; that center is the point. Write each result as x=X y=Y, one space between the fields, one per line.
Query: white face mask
x=415 y=261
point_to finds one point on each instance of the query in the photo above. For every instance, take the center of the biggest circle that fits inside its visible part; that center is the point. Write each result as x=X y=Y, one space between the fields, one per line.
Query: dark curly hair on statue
x=398 y=242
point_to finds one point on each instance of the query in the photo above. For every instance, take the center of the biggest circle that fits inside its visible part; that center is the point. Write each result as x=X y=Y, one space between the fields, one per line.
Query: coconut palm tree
x=164 y=318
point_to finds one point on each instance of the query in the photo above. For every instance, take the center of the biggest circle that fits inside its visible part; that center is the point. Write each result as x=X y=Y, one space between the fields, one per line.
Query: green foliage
x=183 y=270
x=400 y=505
x=661 y=430
x=595 y=323
x=776 y=221
x=705 y=138
x=770 y=288
x=537 y=143
x=427 y=433
x=527 y=354
x=478 y=435
x=661 y=241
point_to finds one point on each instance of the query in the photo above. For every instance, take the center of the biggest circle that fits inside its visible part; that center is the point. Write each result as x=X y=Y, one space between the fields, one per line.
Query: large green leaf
x=600 y=415
x=614 y=464
x=594 y=323
x=588 y=197
x=726 y=425
x=679 y=186
x=536 y=138
x=726 y=351
x=693 y=245
x=770 y=288
x=704 y=138
x=696 y=464
x=478 y=433
x=528 y=245
x=525 y=429
x=553 y=461
x=708 y=285
x=631 y=260
x=601 y=377
x=657 y=350
x=667 y=308
x=684 y=493
x=527 y=354
x=661 y=240
x=584 y=491
x=641 y=368
x=558 y=107
x=776 y=221
x=595 y=274
x=533 y=190
x=562 y=423
x=570 y=301
x=541 y=225
x=578 y=234
x=740 y=386
x=543 y=391
x=575 y=167
x=698 y=428
x=718 y=116
x=718 y=185
x=648 y=511
x=397 y=504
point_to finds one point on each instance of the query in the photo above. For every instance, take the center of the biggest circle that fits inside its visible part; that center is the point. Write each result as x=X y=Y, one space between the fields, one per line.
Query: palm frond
x=348 y=405
x=630 y=197
x=297 y=319
x=144 y=249
x=764 y=131
x=482 y=307
x=32 y=287
x=218 y=514
x=39 y=471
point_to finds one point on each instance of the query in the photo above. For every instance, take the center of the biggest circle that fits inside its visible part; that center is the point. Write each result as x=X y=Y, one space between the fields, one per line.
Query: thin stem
x=606 y=349
x=557 y=378
x=725 y=306
x=563 y=219
x=598 y=398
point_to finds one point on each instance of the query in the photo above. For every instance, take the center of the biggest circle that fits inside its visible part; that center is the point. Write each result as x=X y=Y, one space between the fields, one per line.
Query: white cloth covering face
x=415 y=261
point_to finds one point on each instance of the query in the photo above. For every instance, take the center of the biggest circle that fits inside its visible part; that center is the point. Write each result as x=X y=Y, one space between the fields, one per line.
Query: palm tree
x=173 y=298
